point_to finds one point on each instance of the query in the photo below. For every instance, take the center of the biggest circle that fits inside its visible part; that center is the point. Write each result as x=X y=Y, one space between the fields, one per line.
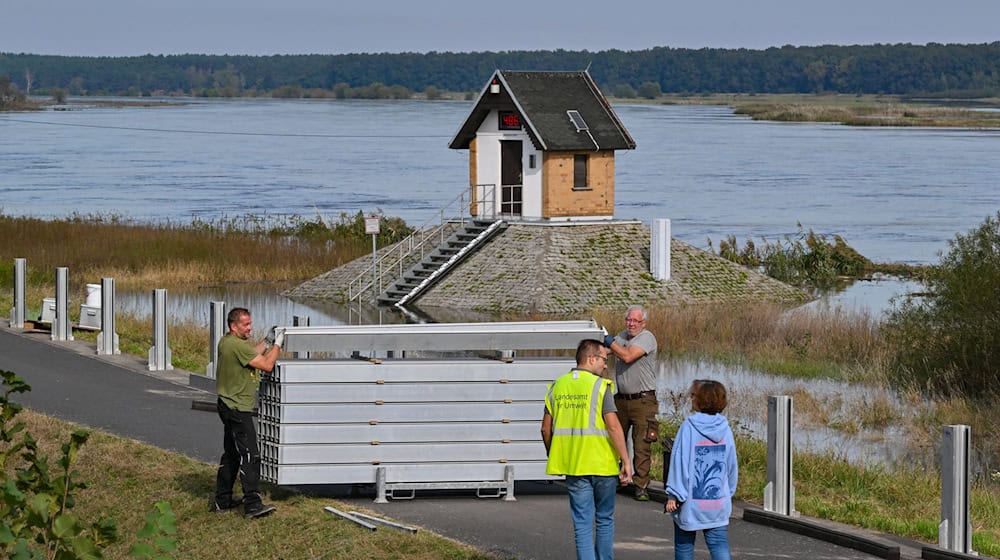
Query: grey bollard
x=107 y=339
x=301 y=321
x=61 y=328
x=659 y=249
x=17 y=312
x=779 y=493
x=955 y=530
x=159 y=354
x=217 y=328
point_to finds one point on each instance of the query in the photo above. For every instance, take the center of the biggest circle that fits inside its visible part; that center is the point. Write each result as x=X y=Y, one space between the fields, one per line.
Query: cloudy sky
x=265 y=27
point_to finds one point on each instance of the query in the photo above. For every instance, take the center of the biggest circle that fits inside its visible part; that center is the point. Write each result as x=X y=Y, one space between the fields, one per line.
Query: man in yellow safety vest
x=585 y=442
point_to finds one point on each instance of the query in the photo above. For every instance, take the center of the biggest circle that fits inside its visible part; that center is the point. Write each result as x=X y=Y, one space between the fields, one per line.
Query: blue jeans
x=593 y=497
x=716 y=539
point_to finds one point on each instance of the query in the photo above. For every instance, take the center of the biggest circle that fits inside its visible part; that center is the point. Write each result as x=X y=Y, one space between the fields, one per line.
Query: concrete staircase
x=436 y=264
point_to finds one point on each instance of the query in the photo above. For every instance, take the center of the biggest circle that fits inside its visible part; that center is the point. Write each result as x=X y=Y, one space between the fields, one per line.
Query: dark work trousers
x=240 y=456
x=638 y=414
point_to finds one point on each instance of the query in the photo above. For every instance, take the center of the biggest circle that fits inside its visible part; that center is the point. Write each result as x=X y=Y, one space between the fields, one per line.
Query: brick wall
x=559 y=199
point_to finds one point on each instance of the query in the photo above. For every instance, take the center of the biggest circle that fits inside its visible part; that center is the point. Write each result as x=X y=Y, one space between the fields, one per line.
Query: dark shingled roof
x=542 y=100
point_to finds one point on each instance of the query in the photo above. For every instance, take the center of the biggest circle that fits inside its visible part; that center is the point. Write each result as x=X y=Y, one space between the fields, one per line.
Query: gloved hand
x=608 y=340
x=269 y=338
x=279 y=337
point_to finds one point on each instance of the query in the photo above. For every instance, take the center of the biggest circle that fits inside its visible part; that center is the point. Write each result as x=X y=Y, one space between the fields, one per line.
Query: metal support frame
x=779 y=493
x=107 y=339
x=955 y=530
x=385 y=490
x=217 y=328
x=17 y=312
x=301 y=321
x=61 y=328
x=159 y=353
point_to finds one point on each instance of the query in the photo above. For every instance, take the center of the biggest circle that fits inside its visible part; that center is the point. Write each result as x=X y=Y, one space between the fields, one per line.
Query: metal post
x=508 y=478
x=107 y=339
x=659 y=250
x=61 y=329
x=17 y=313
x=779 y=494
x=955 y=530
x=374 y=267
x=159 y=354
x=301 y=321
x=217 y=328
x=380 y=489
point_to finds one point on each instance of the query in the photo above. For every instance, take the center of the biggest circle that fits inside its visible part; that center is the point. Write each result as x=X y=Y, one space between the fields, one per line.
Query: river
x=895 y=194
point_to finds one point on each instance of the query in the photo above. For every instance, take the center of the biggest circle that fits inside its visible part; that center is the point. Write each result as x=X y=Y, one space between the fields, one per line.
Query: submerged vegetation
x=807 y=259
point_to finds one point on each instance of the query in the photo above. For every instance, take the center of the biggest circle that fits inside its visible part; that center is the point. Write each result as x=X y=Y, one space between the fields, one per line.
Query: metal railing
x=423 y=239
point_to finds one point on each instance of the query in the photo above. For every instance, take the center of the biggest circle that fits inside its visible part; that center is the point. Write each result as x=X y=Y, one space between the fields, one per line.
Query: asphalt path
x=118 y=395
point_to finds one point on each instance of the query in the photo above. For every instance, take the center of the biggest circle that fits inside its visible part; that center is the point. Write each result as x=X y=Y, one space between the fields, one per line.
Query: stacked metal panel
x=423 y=421
x=441 y=420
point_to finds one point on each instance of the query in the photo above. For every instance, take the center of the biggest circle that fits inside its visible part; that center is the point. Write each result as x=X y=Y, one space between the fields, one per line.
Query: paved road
x=118 y=395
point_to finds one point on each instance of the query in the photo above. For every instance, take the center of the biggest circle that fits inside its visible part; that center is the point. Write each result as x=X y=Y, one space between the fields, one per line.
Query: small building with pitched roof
x=542 y=147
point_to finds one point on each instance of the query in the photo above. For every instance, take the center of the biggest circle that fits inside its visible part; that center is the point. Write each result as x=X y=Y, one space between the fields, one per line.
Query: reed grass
x=880 y=114
x=170 y=255
x=822 y=343
x=125 y=478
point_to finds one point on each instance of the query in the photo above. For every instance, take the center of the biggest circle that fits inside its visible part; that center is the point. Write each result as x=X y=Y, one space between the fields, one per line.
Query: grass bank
x=903 y=501
x=854 y=110
x=125 y=478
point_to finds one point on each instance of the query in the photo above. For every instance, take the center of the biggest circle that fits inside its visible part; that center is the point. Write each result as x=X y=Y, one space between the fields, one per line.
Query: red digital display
x=509 y=120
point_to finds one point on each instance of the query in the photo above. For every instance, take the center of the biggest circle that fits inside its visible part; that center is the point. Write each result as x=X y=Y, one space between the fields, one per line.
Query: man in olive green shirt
x=237 y=379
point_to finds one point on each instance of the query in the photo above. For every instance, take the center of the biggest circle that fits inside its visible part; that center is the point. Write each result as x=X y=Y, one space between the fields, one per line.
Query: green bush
x=802 y=259
x=948 y=341
x=36 y=520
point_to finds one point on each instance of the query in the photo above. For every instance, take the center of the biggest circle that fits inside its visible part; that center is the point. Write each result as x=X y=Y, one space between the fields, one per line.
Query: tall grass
x=183 y=256
x=831 y=342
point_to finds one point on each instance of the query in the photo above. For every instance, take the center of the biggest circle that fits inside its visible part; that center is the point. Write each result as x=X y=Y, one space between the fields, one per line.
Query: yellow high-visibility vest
x=580 y=443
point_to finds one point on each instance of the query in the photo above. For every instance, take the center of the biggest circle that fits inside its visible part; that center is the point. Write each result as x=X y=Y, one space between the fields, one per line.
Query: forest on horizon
x=952 y=70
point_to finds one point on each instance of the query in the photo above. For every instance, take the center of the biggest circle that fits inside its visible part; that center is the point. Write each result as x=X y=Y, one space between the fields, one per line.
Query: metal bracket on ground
x=385 y=490
x=802 y=527
x=929 y=552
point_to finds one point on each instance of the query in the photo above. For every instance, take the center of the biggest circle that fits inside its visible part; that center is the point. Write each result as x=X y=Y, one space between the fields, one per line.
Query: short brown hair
x=587 y=347
x=235 y=314
x=708 y=396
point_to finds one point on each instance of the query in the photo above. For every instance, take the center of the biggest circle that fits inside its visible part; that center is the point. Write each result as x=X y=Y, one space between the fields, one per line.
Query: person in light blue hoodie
x=703 y=474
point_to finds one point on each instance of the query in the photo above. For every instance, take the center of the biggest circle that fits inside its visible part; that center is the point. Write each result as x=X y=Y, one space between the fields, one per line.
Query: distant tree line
x=902 y=69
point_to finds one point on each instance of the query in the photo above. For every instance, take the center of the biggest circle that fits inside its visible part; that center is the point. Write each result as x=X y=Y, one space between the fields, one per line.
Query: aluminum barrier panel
x=524 y=335
x=418 y=421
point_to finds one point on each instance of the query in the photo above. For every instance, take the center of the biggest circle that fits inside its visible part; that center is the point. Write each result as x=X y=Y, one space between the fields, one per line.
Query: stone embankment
x=565 y=269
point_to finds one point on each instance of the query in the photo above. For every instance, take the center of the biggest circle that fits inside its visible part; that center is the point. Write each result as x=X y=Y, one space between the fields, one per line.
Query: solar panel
x=577 y=120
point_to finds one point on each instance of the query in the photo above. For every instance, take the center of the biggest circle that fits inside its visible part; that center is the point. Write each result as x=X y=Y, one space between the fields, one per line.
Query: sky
x=268 y=27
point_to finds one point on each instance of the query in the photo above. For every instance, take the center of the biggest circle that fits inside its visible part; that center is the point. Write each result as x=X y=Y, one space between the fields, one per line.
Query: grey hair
x=641 y=309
